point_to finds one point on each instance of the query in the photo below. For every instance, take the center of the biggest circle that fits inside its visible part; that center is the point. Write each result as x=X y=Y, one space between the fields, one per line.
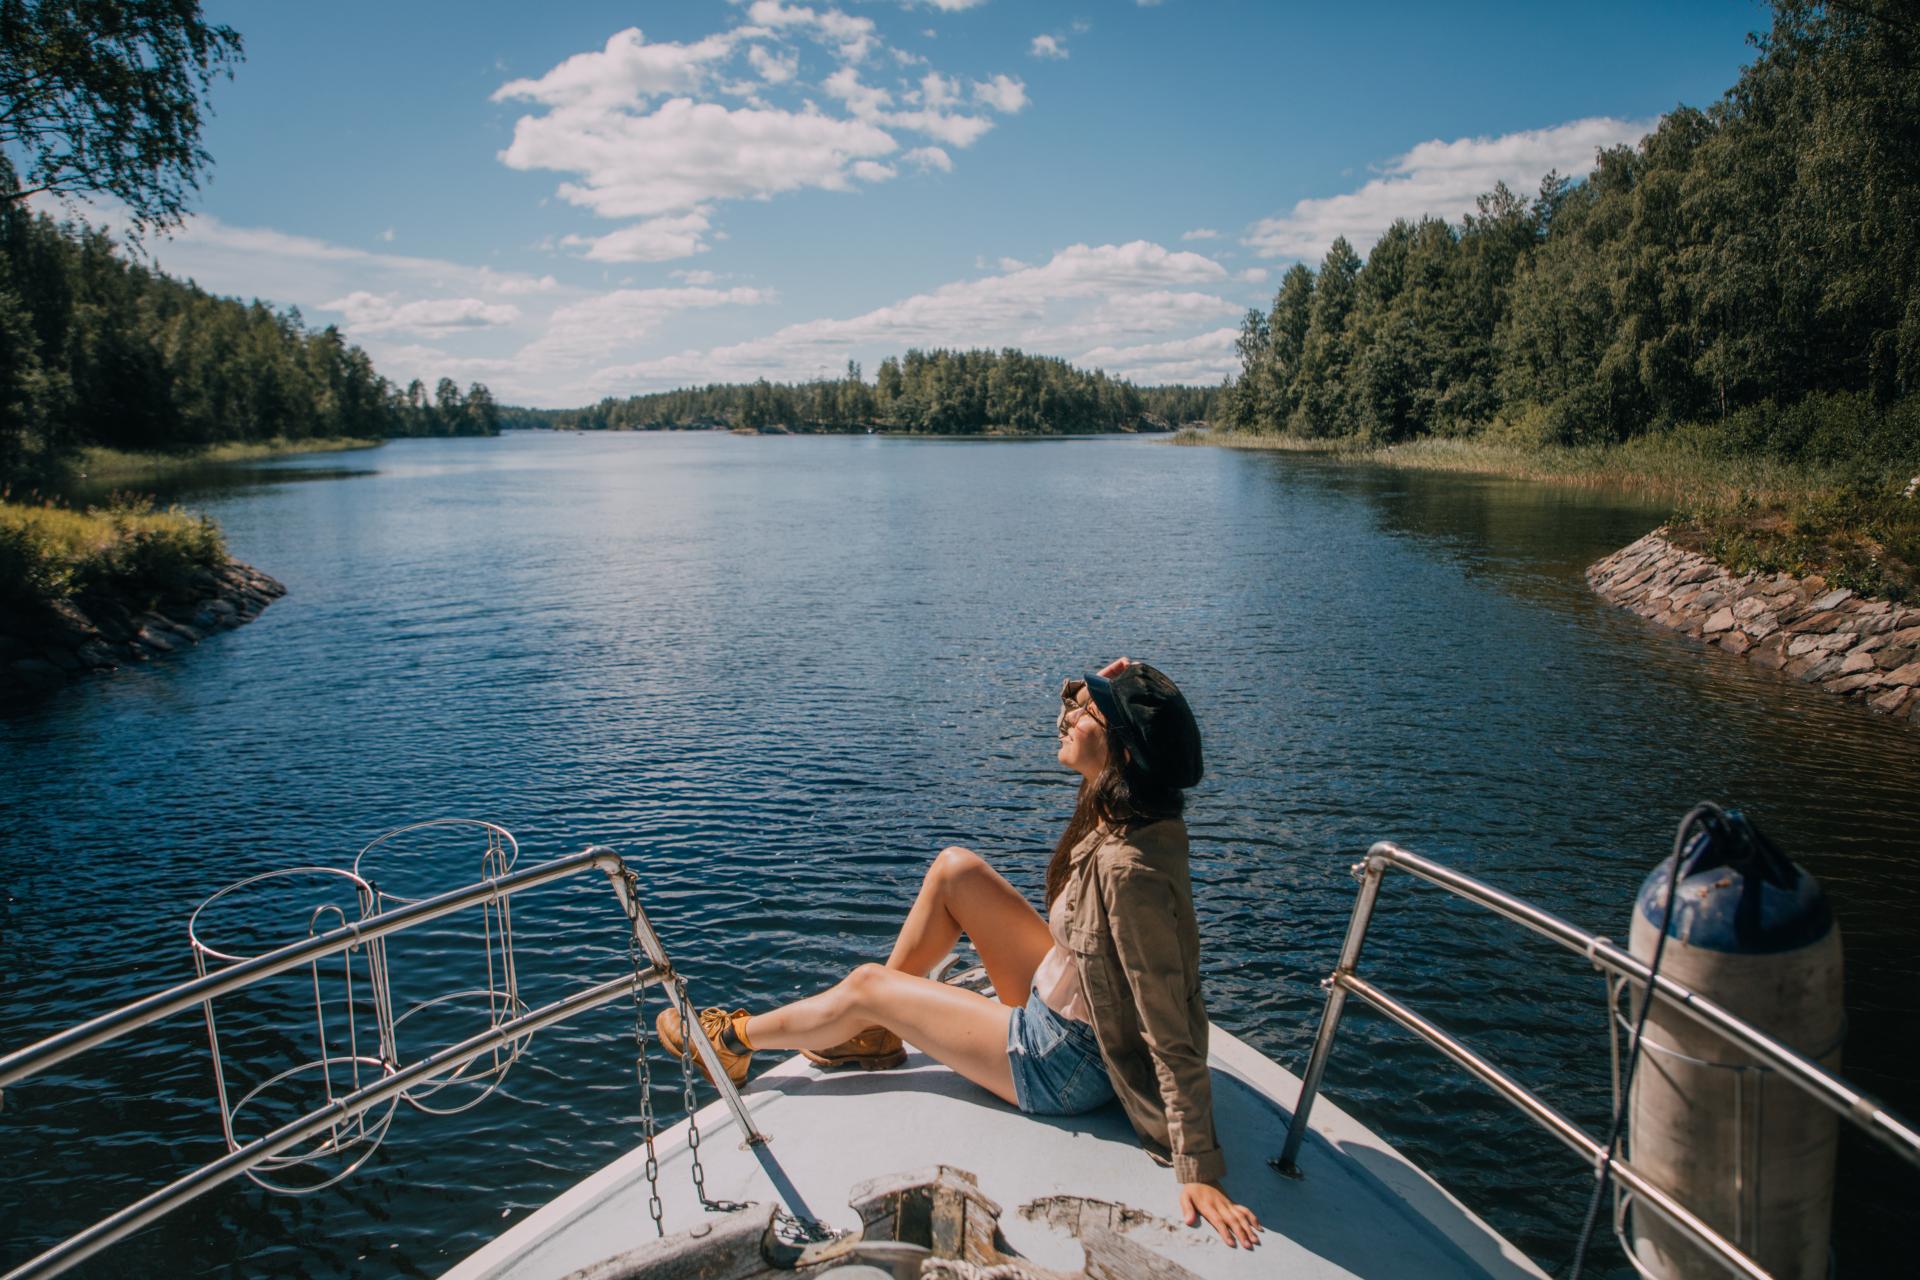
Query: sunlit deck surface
x=1361 y=1210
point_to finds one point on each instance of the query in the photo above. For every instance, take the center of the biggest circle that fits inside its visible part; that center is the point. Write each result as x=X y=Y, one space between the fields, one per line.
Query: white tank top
x=1058 y=977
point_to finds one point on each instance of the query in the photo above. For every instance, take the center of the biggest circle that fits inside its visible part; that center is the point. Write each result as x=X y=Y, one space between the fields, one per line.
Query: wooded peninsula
x=924 y=392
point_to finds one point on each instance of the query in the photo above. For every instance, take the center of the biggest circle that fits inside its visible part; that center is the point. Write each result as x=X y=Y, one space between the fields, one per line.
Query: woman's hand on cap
x=1115 y=667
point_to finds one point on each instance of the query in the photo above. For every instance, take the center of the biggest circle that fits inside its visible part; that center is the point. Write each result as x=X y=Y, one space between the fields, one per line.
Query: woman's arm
x=1140 y=902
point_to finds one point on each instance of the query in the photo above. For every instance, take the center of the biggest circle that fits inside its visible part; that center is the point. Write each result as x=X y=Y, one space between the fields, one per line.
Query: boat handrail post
x=1369 y=873
x=1621 y=969
x=626 y=887
x=157 y=1204
x=209 y=984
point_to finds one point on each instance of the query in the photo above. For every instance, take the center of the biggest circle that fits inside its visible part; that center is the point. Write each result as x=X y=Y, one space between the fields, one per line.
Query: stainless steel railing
x=1618 y=965
x=22 y=1064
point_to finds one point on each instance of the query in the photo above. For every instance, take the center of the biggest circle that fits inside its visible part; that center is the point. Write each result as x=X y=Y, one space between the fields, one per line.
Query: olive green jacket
x=1130 y=925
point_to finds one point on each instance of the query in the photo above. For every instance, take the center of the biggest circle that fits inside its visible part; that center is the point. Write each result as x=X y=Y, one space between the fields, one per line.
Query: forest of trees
x=937 y=392
x=97 y=349
x=1755 y=265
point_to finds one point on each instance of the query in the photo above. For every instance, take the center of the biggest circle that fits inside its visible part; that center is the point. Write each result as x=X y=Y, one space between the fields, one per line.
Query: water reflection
x=781 y=673
x=191 y=484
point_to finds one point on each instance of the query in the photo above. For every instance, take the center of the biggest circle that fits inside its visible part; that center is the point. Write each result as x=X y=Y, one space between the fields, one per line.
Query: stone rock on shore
x=41 y=652
x=1852 y=646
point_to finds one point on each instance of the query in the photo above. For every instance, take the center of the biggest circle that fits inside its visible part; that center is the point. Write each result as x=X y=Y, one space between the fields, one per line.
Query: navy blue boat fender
x=1750 y=1153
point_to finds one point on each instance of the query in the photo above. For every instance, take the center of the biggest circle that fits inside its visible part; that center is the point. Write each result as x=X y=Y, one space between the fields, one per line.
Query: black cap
x=1152 y=717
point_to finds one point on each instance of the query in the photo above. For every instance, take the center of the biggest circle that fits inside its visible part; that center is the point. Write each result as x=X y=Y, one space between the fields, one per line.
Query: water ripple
x=778 y=675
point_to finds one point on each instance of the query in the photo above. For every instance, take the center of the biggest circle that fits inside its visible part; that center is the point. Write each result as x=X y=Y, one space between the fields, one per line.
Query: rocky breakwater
x=44 y=648
x=1860 y=648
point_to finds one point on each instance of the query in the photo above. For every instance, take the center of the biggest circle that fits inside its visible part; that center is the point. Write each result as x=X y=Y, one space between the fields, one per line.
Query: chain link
x=643 y=1071
x=649 y=1125
x=689 y=1028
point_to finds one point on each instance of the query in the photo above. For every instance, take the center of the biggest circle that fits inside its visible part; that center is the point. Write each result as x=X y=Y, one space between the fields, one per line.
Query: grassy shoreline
x=129 y=549
x=1748 y=511
x=98 y=465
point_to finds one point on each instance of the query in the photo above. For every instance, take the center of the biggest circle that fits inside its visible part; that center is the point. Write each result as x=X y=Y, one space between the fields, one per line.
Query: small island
x=96 y=589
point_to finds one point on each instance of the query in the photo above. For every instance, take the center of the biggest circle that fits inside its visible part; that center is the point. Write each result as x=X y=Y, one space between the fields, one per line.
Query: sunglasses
x=1074 y=703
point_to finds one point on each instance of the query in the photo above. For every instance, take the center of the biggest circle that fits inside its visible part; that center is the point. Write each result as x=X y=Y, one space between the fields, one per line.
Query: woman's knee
x=955 y=863
x=863 y=985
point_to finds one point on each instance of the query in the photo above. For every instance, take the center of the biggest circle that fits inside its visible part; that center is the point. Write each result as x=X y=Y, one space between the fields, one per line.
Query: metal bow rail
x=1618 y=967
x=339 y=1125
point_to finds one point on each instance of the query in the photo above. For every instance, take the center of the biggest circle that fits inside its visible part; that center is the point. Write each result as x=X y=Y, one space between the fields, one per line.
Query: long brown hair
x=1122 y=795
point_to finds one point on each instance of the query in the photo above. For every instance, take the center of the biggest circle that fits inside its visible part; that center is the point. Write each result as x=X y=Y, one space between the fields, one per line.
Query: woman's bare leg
x=967 y=1032
x=962 y=894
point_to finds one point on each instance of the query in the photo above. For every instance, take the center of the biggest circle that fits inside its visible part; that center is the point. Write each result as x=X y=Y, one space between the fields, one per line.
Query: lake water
x=778 y=674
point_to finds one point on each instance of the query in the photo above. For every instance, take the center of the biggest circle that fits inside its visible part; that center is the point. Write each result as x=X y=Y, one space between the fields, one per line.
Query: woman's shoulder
x=1160 y=844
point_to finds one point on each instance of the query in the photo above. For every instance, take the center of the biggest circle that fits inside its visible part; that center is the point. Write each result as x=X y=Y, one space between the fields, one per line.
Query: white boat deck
x=1362 y=1209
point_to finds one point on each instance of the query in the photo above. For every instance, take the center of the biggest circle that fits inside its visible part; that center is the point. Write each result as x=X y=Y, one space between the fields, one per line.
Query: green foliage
x=1858 y=531
x=935 y=392
x=108 y=96
x=127 y=549
x=99 y=351
x=1836 y=430
x=1754 y=266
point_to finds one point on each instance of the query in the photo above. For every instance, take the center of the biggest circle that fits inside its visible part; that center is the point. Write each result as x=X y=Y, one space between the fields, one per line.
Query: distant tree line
x=98 y=349
x=1738 y=265
x=937 y=392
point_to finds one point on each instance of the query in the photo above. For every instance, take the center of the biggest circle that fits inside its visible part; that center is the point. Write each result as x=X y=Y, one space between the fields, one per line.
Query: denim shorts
x=1056 y=1063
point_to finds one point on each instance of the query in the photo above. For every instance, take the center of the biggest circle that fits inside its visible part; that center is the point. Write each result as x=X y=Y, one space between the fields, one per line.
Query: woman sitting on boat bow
x=1112 y=973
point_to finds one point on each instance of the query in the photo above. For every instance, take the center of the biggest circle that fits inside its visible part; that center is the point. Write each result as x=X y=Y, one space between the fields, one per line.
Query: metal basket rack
x=310 y=1124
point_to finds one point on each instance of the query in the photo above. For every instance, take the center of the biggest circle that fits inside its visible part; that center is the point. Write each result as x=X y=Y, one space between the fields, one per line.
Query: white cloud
x=1045 y=46
x=1081 y=297
x=1131 y=316
x=526 y=284
x=852 y=38
x=376 y=313
x=626 y=73
x=1200 y=233
x=772 y=67
x=685 y=154
x=938 y=91
x=863 y=100
x=636 y=132
x=954 y=6
x=605 y=324
x=294 y=270
x=1203 y=359
x=954 y=130
x=387 y=235
x=1254 y=275
x=1002 y=93
x=694 y=277
x=1439 y=178
x=654 y=240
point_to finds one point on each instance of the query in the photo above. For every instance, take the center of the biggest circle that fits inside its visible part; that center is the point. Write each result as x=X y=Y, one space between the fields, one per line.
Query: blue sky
x=571 y=200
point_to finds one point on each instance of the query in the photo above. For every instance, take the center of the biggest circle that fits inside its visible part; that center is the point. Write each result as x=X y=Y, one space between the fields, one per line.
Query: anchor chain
x=690 y=1027
x=649 y=1125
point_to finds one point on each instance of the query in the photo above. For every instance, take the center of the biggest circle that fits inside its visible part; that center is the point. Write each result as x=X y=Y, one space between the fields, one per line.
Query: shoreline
x=97 y=465
x=1806 y=628
x=1751 y=514
x=1649 y=466
x=767 y=433
x=101 y=631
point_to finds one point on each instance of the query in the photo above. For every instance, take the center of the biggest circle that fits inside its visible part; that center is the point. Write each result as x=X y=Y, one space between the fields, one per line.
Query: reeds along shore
x=120 y=466
x=1853 y=522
